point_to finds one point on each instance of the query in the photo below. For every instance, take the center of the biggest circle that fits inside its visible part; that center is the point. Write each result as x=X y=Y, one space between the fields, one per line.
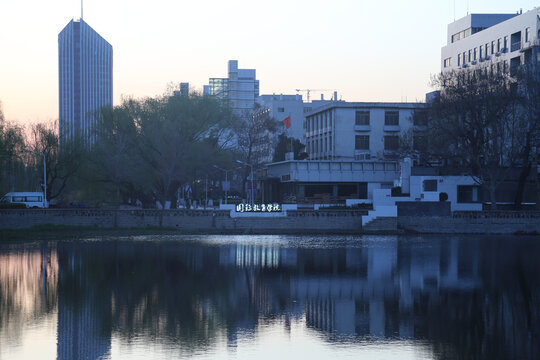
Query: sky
x=384 y=50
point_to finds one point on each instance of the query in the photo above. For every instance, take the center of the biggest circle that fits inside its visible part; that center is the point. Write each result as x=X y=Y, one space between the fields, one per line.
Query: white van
x=30 y=199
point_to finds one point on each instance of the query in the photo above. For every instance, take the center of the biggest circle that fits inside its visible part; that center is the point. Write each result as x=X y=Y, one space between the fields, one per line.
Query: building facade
x=498 y=41
x=85 y=69
x=292 y=106
x=240 y=88
x=361 y=131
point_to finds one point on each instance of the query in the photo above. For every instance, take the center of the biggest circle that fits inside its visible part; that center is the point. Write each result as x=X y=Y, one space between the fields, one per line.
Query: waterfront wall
x=474 y=222
x=296 y=221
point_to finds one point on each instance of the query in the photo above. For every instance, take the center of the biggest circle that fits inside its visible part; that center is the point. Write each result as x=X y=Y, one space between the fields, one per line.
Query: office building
x=361 y=131
x=85 y=66
x=498 y=41
x=293 y=107
x=240 y=88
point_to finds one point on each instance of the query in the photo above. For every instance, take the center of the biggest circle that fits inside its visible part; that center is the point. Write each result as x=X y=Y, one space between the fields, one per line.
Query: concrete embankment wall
x=474 y=222
x=296 y=221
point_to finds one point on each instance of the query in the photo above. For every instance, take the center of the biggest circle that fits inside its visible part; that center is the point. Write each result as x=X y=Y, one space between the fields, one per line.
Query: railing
x=515 y=46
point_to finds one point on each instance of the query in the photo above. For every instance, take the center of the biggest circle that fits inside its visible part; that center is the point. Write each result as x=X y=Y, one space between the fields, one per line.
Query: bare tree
x=475 y=124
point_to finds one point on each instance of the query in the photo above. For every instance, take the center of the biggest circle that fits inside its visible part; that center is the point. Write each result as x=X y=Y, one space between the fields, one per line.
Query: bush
x=443 y=196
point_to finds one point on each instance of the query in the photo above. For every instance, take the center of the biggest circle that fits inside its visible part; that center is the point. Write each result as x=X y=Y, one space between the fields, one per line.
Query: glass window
x=391 y=117
x=480 y=53
x=469 y=194
x=391 y=142
x=280 y=109
x=469 y=58
x=361 y=142
x=459 y=59
x=474 y=53
x=528 y=34
x=498 y=45
x=362 y=117
x=493 y=47
x=429 y=185
x=486 y=50
x=33 y=198
x=420 y=117
x=18 y=199
x=505 y=43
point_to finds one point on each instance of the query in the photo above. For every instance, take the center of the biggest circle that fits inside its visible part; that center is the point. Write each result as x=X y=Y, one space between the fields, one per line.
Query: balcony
x=391 y=128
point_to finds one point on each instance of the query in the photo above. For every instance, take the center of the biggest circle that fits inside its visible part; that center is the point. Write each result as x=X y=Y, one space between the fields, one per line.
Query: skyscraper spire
x=81 y=9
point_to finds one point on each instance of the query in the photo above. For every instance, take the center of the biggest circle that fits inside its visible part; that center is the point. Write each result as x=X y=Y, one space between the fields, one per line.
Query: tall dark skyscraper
x=85 y=69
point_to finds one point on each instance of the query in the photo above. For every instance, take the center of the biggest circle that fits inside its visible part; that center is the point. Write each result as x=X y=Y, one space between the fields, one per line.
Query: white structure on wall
x=360 y=131
x=500 y=41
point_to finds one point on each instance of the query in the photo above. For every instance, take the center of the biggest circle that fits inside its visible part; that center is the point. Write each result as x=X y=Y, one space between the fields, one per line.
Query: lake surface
x=268 y=297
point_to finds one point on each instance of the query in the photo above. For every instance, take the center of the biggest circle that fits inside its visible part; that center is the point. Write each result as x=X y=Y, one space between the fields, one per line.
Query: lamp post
x=251 y=167
x=44 y=177
x=226 y=181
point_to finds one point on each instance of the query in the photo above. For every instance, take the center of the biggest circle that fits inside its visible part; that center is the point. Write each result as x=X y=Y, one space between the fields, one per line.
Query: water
x=271 y=297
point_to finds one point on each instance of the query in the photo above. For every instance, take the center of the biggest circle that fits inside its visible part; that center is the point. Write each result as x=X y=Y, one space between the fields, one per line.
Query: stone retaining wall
x=296 y=221
x=469 y=225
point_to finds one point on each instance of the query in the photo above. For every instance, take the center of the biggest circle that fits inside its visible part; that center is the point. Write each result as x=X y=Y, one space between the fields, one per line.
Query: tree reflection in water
x=466 y=297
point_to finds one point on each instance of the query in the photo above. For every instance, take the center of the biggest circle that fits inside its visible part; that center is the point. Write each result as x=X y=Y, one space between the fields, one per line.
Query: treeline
x=145 y=151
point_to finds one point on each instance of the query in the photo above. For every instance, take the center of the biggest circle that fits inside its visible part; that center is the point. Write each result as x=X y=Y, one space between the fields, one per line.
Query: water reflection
x=461 y=297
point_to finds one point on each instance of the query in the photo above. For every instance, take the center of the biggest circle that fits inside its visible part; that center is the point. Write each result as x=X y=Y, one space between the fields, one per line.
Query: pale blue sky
x=367 y=51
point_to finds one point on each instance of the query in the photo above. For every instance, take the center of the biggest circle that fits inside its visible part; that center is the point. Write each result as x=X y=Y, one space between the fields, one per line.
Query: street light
x=44 y=177
x=226 y=181
x=251 y=166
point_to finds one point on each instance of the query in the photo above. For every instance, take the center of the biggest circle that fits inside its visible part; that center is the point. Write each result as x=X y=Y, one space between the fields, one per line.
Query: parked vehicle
x=30 y=199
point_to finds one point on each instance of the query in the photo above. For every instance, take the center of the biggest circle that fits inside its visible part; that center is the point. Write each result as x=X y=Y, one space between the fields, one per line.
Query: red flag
x=287 y=122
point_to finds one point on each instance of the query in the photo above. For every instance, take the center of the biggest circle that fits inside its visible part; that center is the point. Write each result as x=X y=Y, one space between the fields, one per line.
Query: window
x=480 y=52
x=458 y=59
x=528 y=34
x=474 y=53
x=391 y=142
x=447 y=62
x=280 y=109
x=486 y=50
x=498 y=45
x=362 y=117
x=33 y=198
x=493 y=47
x=464 y=58
x=391 y=117
x=505 y=44
x=361 y=142
x=419 y=142
x=469 y=194
x=429 y=185
x=469 y=58
x=420 y=117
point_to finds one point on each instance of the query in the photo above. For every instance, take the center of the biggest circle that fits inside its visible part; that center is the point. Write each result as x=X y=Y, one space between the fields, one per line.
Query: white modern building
x=240 y=88
x=85 y=71
x=283 y=106
x=500 y=41
x=361 y=131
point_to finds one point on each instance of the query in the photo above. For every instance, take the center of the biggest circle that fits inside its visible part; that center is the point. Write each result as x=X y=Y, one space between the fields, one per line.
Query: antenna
x=81 y=9
x=467 y=7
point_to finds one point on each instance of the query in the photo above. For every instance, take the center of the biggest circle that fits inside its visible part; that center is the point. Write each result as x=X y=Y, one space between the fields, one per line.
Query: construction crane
x=308 y=91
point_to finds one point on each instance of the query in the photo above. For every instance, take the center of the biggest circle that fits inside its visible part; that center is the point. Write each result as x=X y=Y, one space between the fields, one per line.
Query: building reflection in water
x=28 y=278
x=465 y=297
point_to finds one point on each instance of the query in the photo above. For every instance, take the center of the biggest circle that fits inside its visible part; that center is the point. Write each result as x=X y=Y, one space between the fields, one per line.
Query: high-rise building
x=240 y=88
x=497 y=41
x=85 y=66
